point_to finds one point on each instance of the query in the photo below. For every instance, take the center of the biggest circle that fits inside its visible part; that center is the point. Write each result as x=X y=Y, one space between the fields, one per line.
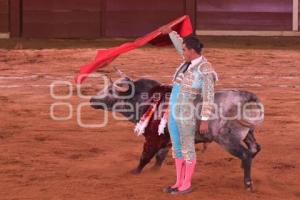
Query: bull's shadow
x=130 y=98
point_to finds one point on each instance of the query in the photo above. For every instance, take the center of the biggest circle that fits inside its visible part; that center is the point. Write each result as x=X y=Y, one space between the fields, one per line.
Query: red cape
x=181 y=25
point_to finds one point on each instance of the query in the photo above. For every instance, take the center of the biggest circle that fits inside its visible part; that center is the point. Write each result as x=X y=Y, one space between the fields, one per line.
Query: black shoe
x=170 y=190
x=189 y=190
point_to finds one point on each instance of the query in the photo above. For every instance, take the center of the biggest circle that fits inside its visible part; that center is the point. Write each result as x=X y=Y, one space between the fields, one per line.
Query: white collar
x=196 y=60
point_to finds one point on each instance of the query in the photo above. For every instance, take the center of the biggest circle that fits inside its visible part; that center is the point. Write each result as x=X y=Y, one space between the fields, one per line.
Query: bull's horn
x=124 y=88
x=122 y=74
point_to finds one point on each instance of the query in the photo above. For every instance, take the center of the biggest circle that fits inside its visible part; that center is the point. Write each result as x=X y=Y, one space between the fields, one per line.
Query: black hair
x=192 y=42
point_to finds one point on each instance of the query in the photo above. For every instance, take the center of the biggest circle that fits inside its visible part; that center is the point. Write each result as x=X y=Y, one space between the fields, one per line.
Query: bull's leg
x=230 y=138
x=160 y=157
x=246 y=157
x=147 y=154
x=251 y=143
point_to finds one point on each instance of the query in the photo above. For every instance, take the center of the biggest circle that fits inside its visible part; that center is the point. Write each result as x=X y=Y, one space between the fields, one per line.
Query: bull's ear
x=109 y=78
x=128 y=79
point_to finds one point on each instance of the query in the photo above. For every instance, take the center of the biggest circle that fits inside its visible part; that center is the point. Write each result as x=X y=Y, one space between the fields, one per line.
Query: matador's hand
x=203 y=129
x=165 y=29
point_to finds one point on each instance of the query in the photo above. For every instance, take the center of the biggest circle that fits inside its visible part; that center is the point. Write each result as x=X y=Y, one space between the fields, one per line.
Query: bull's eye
x=109 y=91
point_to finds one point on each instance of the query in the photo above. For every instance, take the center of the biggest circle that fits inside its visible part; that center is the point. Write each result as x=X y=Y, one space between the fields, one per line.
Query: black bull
x=235 y=136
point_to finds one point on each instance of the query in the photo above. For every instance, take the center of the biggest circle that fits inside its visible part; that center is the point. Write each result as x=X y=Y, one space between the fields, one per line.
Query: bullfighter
x=194 y=78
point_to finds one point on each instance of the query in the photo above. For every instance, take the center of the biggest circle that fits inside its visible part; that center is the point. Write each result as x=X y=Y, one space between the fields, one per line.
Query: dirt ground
x=44 y=158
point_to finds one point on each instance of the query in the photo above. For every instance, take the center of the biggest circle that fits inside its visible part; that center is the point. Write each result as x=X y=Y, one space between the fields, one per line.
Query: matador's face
x=188 y=53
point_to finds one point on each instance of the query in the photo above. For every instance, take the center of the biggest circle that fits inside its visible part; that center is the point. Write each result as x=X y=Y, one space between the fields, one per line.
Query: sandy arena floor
x=42 y=158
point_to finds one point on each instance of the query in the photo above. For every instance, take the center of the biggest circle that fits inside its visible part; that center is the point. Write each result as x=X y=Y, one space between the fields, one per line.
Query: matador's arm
x=209 y=78
x=177 y=42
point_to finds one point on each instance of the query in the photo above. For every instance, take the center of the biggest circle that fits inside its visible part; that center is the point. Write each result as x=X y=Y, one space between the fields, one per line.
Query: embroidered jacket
x=199 y=78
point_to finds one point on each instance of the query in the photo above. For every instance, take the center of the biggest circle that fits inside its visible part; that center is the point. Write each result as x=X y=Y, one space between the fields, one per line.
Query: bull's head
x=114 y=92
x=124 y=96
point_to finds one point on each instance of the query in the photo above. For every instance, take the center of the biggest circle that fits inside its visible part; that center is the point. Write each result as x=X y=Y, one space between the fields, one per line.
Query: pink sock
x=182 y=174
x=189 y=170
x=179 y=162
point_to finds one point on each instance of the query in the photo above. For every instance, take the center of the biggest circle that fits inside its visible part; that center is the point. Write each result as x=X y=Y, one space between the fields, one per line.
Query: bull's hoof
x=249 y=186
x=135 y=171
x=155 y=168
x=249 y=189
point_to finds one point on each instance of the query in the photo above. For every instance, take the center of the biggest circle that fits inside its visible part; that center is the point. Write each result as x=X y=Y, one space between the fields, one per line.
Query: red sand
x=46 y=159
